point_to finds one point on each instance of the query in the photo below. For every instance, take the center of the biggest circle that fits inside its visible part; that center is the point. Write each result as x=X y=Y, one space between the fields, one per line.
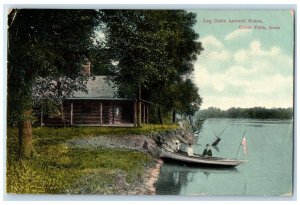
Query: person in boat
x=189 y=150
x=207 y=151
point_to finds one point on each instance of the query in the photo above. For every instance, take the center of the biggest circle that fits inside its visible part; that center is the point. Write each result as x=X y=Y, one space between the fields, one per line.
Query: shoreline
x=146 y=184
x=151 y=178
x=142 y=143
x=91 y=161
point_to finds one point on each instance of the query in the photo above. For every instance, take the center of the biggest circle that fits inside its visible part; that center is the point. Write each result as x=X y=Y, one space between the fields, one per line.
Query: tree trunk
x=174 y=116
x=59 y=92
x=134 y=112
x=62 y=112
x=159 y=116
x=191 y=120
x=42 y=114
x=139 y=108
x=25 y=136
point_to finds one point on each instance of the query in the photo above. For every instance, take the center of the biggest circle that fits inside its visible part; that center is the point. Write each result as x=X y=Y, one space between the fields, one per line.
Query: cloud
x=248 y=77
x=215 y=54
x=212 y=42
x=237 y=34
x=268 y=61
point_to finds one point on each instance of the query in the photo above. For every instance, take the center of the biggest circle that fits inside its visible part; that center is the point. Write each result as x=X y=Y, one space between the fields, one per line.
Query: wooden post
x=134 y=112
x=100 y=113
x=159 y=116
x=174 y=116
x=144 y=113
x=42 y=115
x=147 y=111
x=113 y=113
x=71 y=113
x=139 y=107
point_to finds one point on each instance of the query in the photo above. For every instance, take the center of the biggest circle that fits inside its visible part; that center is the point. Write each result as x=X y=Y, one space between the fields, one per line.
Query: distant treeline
x=255 y=113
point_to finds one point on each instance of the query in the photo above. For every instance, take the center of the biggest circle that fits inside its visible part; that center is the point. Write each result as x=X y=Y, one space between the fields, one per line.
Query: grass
x=87 y=131
x=57 y=169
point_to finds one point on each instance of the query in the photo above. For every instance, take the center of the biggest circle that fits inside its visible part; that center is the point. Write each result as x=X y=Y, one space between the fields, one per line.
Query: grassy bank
x=57 y=168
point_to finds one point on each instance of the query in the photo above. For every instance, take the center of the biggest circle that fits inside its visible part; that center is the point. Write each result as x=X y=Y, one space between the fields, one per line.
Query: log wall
x=88 y=112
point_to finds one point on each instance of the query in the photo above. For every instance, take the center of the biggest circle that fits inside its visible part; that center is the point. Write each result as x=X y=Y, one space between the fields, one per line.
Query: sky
x=245 y=63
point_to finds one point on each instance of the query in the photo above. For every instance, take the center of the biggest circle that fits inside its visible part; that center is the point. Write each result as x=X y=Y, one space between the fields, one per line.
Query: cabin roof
x=98 y=87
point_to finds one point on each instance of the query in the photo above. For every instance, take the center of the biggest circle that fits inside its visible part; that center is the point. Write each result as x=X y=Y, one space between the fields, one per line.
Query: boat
x=176 y=167
x=198 y=160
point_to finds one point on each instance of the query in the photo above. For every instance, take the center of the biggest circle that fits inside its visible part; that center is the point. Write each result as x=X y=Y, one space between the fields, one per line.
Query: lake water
x=268 y=172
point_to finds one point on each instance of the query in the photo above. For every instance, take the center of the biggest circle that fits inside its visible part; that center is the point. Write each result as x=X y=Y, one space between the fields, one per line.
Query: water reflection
x=269 y=171
x=173 y=177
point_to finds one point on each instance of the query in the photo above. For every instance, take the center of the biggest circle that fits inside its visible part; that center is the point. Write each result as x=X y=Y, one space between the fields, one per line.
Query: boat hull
x=198 y=160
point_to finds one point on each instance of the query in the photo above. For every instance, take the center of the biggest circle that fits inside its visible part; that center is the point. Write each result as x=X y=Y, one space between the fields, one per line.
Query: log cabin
x=99 y=106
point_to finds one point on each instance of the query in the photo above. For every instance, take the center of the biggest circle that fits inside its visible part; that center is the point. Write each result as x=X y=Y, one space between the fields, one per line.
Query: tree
x=135 y=45
x=52 y=90
x=252 y=113
x=151 y=50
x=43 y=43
x=181 y=97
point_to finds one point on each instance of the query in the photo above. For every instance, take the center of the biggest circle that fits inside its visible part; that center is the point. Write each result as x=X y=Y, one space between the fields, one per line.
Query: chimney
x=86 y=69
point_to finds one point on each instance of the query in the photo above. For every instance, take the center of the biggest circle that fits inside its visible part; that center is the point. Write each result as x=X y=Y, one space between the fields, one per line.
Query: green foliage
x=198 y=123
x=60 y=134
x=49 y=92
x=36 y=175
x=47 y=106
x=44 y=43
x=182 y=96
x=58 y=169
x=21 y=178
x=154 y=50
x=255 y=113
x=113 y=159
